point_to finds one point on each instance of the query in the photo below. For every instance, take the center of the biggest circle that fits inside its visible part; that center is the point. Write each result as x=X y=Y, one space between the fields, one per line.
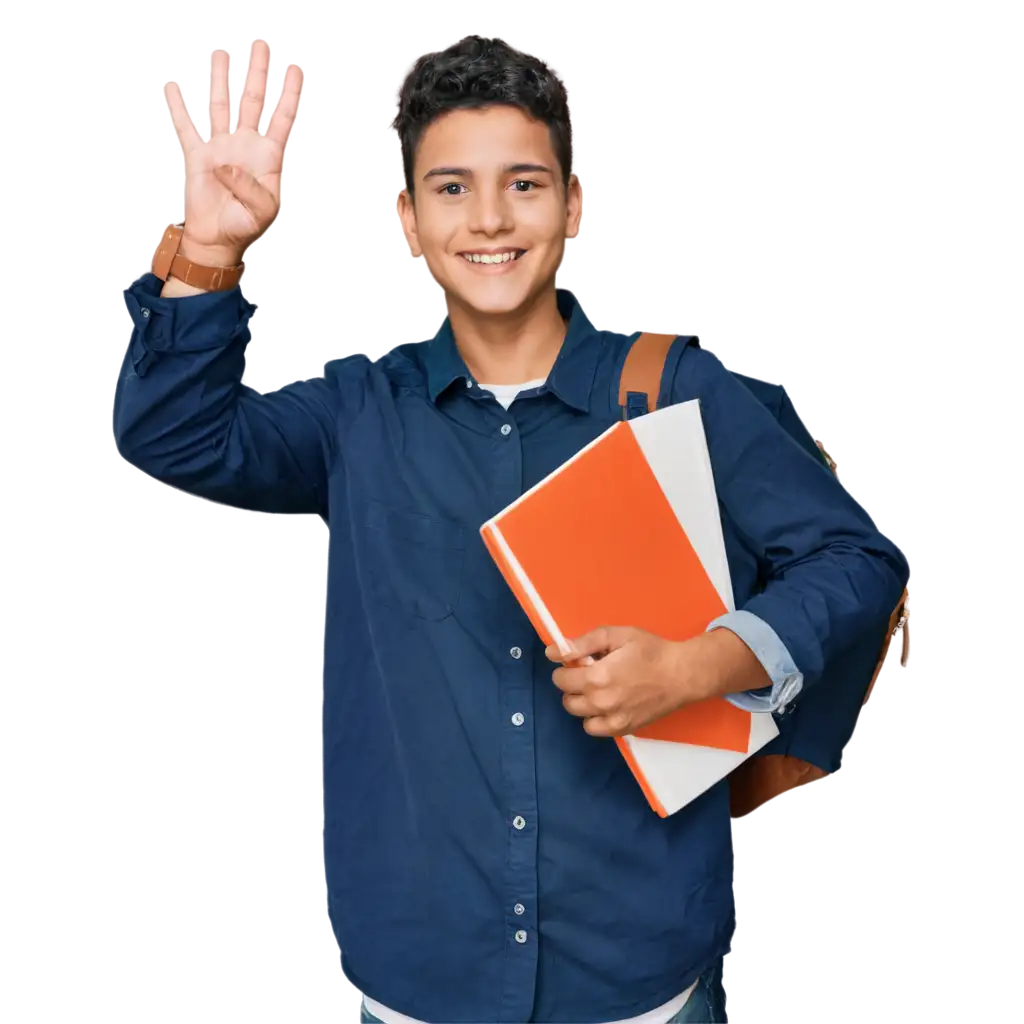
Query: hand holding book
x=619 y=678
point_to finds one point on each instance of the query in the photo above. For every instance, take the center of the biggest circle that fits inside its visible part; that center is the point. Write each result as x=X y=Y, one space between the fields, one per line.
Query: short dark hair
x=477 y=72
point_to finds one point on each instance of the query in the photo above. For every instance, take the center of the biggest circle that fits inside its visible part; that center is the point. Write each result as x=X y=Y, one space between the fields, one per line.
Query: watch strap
x=168 y=262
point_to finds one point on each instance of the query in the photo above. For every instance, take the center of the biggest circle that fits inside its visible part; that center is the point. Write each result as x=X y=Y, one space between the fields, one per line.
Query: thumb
x=597 y=642
x=249 y=192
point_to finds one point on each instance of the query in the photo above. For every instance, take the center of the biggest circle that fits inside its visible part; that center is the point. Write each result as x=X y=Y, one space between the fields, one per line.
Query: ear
x=573 y=206
x=407 y=215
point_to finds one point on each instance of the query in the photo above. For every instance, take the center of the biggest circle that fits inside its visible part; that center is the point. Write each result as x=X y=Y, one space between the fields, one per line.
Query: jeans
x=706 y=1004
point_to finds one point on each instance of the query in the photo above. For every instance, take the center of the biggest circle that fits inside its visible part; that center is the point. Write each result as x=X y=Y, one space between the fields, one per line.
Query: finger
x=571 y=656
x=579 y=705
x=287 y=106
x=250 y=193
x=220 y=102
x=187 y=134
x=603 y=725
x=571 y=680
x=555 y=653
x=600 y=641
x=250 y=110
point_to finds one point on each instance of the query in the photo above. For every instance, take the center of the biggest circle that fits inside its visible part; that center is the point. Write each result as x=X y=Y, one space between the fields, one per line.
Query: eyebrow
x=465 y=172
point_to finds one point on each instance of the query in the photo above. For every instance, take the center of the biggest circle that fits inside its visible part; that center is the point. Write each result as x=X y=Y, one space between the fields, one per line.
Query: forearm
x=179 y=379
x=717 y=664
x=173 y=410
x=183 y=416
x=786 y=678
x=830 y=599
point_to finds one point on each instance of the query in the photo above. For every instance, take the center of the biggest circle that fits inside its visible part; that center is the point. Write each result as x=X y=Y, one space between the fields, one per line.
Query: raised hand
x=233 y=182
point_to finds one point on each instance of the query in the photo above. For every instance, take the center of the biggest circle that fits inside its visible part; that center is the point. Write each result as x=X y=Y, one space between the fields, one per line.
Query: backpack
x=818 y=725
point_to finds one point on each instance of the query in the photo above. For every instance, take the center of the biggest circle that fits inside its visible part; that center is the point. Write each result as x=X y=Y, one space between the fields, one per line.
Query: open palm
x=225 y=213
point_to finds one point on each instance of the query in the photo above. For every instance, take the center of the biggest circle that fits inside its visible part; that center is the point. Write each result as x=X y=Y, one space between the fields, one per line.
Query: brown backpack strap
x=643 y=368
x=898 y=620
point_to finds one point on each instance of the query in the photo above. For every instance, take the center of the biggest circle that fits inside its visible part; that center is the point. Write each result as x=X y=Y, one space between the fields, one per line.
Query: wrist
x=716 y=664
x=209 y=255
x=697 y=669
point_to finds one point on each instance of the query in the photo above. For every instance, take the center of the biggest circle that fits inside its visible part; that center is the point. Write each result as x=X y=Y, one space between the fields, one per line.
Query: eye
x=523 y=181
x=451 y=184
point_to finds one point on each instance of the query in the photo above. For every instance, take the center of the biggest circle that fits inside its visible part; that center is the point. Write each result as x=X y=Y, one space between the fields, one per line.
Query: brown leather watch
x=167 y=261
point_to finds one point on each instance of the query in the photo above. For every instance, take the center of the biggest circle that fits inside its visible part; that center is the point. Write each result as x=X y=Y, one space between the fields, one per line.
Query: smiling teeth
x=501 y=257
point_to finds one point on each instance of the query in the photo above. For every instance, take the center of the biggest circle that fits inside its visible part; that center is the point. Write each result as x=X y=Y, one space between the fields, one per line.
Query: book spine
x=489 y=533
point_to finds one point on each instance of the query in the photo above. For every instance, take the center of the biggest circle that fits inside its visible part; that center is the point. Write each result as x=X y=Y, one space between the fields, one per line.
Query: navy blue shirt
x=487 y=859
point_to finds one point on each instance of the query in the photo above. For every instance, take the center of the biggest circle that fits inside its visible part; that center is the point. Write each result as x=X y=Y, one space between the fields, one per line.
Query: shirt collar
x=571 y=377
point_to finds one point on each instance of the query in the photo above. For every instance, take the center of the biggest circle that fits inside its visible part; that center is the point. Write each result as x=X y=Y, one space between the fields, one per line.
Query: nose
x=490 y=211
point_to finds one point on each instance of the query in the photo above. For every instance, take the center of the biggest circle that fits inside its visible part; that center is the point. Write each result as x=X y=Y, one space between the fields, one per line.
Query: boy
x=487 y=858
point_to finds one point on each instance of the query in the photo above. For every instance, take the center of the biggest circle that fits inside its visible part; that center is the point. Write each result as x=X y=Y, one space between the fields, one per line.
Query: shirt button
x=469 y=382
x=506 y=429
x=519 y=908
x=520 y=936
x=518 y=718
x=145 y=312
x=516 y=652
x=519 y=821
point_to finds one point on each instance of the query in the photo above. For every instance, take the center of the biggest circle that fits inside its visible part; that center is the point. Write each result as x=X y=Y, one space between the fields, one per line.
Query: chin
x=494 y=297
x=492 y=301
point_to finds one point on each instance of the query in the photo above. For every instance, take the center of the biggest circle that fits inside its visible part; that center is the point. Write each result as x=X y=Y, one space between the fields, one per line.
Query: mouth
x=493 y=264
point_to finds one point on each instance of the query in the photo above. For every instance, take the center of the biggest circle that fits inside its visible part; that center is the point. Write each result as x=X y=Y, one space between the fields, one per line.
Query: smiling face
x=488 y=182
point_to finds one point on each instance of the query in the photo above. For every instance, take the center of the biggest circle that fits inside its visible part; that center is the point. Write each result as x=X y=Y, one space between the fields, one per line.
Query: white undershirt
x=505 y=394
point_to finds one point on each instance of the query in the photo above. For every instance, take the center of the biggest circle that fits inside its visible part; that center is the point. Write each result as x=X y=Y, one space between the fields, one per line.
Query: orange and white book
x=627 y=533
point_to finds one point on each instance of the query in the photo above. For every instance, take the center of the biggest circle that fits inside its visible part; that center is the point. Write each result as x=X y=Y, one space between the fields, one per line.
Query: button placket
x=515 y=668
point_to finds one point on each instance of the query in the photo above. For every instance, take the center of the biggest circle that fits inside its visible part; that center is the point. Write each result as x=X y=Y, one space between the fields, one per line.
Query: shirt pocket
x=414 y=562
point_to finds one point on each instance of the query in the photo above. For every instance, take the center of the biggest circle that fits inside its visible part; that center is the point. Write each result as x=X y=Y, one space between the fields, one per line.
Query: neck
x=509 y=348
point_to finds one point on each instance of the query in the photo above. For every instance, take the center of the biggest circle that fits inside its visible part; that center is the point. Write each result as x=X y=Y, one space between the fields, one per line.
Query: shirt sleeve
x=829 y=575
x=183 y=416
x=786 y=679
